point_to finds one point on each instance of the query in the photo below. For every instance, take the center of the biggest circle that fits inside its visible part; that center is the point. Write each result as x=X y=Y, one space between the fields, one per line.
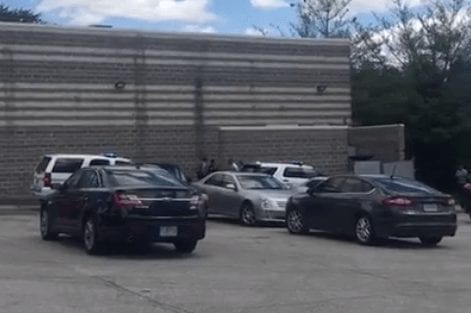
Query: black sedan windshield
x=259 y=182
x=129 y=178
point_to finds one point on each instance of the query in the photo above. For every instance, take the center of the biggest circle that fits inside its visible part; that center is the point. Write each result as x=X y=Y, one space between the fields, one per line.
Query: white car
x=56 y=168
x=293 y=174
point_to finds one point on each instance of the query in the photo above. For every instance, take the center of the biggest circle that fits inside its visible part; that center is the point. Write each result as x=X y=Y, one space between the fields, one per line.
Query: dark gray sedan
x=249 y=197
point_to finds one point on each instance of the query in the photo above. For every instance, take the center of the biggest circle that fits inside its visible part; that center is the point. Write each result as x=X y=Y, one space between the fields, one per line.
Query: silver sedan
x=249 y=197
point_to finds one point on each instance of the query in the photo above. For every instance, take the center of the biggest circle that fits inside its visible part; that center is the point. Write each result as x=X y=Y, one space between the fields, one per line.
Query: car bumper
x=149 y=229
x=272 y=215
x=417 y=225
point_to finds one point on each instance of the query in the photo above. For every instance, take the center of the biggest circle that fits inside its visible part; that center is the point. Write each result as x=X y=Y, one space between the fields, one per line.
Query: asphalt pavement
x=235 y=269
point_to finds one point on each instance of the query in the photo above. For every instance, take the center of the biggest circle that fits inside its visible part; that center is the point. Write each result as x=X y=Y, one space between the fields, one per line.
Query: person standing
x=203 y=169
x=233 y=165
x=212 y=166
x=461 y=175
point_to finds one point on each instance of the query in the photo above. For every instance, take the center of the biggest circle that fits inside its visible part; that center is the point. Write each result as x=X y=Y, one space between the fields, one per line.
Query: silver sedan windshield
x=252 y=182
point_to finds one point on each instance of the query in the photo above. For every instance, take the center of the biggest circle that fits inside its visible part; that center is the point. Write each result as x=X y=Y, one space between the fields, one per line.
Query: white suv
x=56 y=168
x=293 y=174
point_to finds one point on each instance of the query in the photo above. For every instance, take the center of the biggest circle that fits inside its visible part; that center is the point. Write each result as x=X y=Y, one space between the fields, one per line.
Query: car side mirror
x=231 y=187
x=58 y=187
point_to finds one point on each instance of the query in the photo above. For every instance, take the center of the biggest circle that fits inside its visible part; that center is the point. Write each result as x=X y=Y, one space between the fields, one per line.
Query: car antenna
x=393 y=171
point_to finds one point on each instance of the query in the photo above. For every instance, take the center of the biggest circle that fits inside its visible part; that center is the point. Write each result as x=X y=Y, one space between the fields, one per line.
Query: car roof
x=239 y=173
x=279 y=164
x=84 y=156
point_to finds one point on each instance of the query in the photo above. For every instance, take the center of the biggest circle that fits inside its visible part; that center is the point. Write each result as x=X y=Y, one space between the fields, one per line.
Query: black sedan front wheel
x=430 y=241
x=364 y=232
x=295 y=222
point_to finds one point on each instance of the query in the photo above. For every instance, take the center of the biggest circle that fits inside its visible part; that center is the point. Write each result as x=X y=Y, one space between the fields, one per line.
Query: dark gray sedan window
x=332 y=185
x=356 y=185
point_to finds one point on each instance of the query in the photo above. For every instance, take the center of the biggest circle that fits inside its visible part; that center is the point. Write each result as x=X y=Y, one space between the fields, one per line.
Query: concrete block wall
x=58 y=94
x=324 y=147
x=384 y=143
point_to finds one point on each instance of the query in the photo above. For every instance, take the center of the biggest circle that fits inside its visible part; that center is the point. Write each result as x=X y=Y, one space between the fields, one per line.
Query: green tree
x=322 y=19
x=410 y=69
x=8 y=14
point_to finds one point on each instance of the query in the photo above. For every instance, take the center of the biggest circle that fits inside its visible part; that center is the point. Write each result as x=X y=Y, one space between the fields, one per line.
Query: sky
x=240 y=17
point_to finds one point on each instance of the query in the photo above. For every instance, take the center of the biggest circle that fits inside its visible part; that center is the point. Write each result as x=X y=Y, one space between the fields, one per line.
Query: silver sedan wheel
x=248 y=215
x=364 y=230
x=295 y=221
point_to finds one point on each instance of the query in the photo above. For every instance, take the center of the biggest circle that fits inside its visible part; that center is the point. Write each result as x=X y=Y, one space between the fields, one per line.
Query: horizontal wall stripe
x=71 y=106
x=157 y=88
x=192 y=37
x=150 y=53
x=272 y=113
x=169 y=97
x=102 y=122
x=176 y=62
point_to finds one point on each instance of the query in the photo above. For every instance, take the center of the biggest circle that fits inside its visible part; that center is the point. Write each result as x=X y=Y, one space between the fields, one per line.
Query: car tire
x=185 y=246
x=46 y=225
x=295 y=222
x=247 y=215
x=430 y=241
x=364 y=230
x=91 y=238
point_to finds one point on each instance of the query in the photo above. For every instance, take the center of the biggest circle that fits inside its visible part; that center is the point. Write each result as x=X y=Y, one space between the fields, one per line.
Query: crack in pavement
x=156 y=303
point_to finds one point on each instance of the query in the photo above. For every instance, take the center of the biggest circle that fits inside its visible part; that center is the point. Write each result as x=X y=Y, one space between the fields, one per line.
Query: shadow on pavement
x=129 y=251
x=390 y=243
x=235 y=222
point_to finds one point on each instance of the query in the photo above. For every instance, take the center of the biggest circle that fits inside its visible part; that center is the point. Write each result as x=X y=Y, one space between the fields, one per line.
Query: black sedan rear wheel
x=45 y=225
x=295 y=222
x=430 y=241
x=185 y=246
x=364 y=231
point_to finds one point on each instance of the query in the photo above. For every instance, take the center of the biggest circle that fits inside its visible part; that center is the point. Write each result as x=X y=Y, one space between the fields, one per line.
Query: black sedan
x=123 y=204
x=372 y=207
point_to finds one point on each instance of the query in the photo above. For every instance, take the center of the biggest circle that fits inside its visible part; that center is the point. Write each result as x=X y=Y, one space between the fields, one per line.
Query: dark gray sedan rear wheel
x=295 y=221
x=430 y=241
x=45 y=225
x=364 y=231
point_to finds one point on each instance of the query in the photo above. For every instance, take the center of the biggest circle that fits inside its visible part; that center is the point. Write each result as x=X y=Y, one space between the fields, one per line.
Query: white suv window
x=96 y=162
x=299 y=172
x=67 y=165
x=41 y=168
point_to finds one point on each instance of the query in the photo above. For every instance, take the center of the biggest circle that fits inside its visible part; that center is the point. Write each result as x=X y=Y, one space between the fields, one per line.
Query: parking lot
x=235 y=269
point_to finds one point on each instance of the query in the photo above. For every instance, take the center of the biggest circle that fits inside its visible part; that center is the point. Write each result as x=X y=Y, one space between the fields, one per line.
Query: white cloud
x=367 y=6
x=85 y=12
x=199 y=29
x=251 y=31
x=269 y=4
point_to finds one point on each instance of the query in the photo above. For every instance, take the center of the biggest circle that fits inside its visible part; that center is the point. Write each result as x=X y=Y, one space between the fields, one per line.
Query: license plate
x=168 y=231
x=430 y=207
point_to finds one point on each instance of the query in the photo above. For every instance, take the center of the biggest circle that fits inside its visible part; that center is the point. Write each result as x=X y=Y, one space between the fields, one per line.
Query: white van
x=56 y=168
